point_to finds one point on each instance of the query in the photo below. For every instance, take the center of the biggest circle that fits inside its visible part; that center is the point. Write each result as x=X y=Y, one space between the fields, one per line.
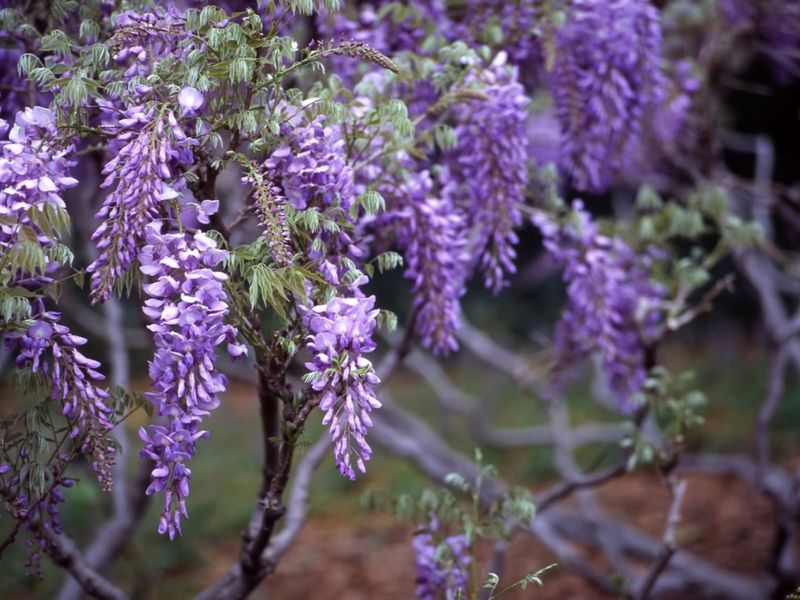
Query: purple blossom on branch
x=442 y=569
x=187 y=306
x=311 y=166
x=491 y=164
x=611 y=306
x=340 y=333
x=153 y=142
x=606 y=77
x=34 y=173
x=143 y=39
x=48 y=347
x=432 y=235
x=41 y=515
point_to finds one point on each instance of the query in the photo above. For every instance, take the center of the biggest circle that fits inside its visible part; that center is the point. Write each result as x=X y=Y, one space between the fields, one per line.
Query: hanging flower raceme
x=313 y=173
x=187 y=307
x=432 y=234
x=34 y=172
x=340 y=334
x=143 y=39
x=139 y=173
x=441 y=574
x=490 y=165
x=48 y=347
x=311 y=166
x=606 y=77
x=612 y=305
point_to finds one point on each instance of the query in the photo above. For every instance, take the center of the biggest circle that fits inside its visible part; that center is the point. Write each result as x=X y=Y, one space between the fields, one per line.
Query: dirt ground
x=370 y=557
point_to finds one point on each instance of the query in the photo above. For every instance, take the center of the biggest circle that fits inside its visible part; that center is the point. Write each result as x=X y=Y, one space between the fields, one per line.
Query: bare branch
x=65 y=554
x=129 y=502
x=677 y=489
x=458 y=401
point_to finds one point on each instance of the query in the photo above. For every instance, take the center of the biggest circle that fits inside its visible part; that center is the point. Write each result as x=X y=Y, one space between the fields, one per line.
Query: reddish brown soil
x=369 y=557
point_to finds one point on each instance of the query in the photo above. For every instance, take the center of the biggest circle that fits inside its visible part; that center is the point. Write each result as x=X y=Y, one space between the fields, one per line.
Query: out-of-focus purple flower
x=389 y=34
x=191 y=101
x=40 y=515
x=432 y=235
x=340 y=334
x=612 y=305
x=491 y=165
x=442 y=568
x=154 y=143
x=187 y=307
x=515 y=22
x=606 y=77
x=143 y=39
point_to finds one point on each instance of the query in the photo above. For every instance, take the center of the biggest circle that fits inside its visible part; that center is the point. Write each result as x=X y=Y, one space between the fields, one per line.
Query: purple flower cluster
x=432 y=235
x=340 y=333
x=389 y=34
x=152 y=142
x=34 y=172
x=607 y=76
x=612 y=305
x=50 y=348
x=311 y=166
x=516 y=21
x=441 y=574
x=145 y=38
x=313 y=172
x=187 y=306
x=491 y=164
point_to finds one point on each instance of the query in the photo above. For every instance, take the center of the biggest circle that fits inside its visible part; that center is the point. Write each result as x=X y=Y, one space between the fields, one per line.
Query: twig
x=677 y=490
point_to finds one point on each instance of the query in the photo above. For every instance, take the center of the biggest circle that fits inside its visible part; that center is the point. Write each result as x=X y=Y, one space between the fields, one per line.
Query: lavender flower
x=490 y=163
x=340 y=333
x=611 y=305
x=187 y=306
x=139 y=173
x=314 y=175
x=144 y=39
x=432 y=236
x=190 y=100
x=311 y=167
x=34 y=172
x=607 y=76
x=441 y=568
x=50 y=348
